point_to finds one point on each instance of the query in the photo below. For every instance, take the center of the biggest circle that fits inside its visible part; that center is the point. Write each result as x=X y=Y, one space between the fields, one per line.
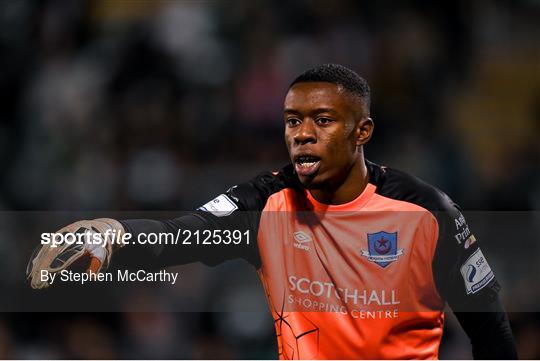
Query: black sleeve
x=489 y=332
x=163 y=255
x=238 y=209
x=466 y=281
x=461 y=271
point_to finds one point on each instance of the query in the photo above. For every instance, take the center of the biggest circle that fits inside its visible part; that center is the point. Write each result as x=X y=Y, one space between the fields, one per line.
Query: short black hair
x=339 y=75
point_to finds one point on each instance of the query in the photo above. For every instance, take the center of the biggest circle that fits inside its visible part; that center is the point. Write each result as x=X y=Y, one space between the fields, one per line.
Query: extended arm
x=168 y=254
x=237 y=210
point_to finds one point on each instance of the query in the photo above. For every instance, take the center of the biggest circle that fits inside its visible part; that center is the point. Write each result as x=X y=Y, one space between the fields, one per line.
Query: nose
x=305 y=133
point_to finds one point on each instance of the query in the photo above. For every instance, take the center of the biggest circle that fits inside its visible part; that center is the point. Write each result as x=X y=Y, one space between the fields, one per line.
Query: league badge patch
x=220 y=206
x=382 y=248
x=476 y=272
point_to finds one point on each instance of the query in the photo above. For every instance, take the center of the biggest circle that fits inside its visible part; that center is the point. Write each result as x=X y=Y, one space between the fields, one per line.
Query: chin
x=311 y=183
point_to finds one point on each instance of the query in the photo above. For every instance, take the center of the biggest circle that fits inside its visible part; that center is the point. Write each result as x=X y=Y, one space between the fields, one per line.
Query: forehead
x=304 y=97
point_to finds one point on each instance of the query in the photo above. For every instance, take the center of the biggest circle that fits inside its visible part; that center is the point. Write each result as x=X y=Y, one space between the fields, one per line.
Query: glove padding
x=57 y=258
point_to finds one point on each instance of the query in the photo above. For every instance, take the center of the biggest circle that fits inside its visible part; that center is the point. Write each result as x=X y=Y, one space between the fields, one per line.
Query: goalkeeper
x=376 y=236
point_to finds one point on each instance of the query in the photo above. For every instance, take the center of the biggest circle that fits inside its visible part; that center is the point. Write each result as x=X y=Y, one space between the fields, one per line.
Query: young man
x=357 y=259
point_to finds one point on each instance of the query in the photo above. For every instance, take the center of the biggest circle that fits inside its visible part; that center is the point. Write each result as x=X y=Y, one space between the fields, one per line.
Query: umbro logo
x=301 y=238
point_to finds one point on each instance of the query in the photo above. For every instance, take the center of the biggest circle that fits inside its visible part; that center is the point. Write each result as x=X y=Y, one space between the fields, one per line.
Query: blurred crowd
x=161 y=105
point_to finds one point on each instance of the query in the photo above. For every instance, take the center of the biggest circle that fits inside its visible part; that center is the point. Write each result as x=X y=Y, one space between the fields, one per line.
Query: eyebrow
x=289 y=110
x=316 y=111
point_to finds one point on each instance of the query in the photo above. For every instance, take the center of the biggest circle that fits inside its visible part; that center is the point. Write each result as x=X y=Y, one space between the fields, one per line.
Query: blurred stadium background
x=159 y=105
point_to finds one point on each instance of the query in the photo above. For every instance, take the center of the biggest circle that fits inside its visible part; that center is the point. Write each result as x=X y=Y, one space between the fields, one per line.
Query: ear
x=364 y=130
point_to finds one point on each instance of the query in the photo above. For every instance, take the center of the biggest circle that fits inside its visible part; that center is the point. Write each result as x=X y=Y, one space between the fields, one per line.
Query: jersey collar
x=354 y=205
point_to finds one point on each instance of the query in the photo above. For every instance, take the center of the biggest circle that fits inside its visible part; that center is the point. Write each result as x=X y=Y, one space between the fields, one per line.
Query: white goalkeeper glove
x=96 y=255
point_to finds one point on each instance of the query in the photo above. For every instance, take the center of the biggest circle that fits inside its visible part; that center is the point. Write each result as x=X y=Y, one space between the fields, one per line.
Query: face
x=324 y=126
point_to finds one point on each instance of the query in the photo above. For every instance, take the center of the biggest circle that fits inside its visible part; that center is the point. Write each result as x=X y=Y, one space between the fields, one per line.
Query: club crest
x=382 y=248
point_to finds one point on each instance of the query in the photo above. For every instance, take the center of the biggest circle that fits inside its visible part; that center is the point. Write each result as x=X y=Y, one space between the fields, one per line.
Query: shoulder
x=396 y=184
x=253 y=194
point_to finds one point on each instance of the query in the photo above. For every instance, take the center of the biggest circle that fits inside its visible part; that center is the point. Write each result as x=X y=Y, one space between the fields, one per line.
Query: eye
x=324 y=121
x=292 y=122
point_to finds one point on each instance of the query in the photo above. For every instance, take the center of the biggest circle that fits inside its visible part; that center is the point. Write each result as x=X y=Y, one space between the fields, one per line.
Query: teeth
x=307 y=164
x=307 y=160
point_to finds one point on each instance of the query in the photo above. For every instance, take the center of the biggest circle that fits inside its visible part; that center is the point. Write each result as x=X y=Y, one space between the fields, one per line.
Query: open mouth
x=306 y=165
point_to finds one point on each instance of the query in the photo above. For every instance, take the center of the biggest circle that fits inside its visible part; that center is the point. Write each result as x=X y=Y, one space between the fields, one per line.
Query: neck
x=349 y=188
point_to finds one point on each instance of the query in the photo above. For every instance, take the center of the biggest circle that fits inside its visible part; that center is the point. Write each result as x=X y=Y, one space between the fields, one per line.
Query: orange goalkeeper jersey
x=353 y=280
x=363 y=280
